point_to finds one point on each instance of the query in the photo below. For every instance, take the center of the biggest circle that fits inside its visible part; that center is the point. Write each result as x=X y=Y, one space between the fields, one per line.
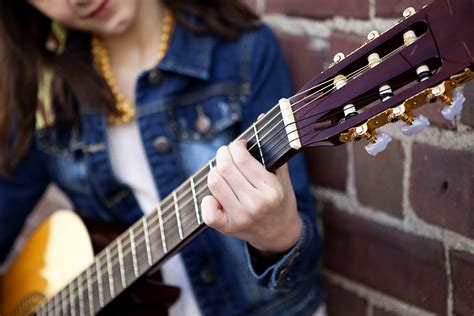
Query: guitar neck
x=152 y=239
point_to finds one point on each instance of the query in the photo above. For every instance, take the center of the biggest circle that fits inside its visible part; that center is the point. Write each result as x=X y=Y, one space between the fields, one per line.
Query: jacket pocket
x=200 y=128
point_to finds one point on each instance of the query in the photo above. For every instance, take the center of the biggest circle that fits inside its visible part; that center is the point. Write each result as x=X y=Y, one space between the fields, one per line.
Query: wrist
x=281 y=240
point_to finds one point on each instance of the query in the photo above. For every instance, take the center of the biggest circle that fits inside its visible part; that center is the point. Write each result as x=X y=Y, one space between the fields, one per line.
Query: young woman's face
x=102 y=17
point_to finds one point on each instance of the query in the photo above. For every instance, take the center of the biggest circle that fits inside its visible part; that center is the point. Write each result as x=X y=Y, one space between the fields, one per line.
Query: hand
x=251 y=203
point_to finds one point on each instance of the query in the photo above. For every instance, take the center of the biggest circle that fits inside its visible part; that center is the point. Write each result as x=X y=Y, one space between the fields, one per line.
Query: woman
x=135 y=98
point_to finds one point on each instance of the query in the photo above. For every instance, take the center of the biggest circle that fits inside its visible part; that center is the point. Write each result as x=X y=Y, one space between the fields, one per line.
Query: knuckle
x=275 y=196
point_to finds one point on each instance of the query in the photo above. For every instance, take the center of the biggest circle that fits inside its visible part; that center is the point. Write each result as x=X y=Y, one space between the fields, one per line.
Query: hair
x=24 y=58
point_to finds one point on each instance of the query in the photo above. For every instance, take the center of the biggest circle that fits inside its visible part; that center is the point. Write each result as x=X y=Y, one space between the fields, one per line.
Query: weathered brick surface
x=395 y=8
x=304 y=62
x=319 y=8
x=400 y=264
x=379 y=179
x=442 y=187
x=328 y=166
x=345 y=43
x=462 y=269
x=383 y=312
x=467 y=114
x=341 y=302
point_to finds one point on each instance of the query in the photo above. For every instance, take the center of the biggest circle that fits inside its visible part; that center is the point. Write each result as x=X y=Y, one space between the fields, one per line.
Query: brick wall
x=399 y=228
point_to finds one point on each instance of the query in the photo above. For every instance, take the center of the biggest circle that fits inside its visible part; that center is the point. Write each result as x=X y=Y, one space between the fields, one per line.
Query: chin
x=120 y=20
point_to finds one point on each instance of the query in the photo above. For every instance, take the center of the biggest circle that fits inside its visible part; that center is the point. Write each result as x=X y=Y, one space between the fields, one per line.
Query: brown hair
x=24 y=57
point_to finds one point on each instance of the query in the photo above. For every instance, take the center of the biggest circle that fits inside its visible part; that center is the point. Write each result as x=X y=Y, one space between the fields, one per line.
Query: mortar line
x=449 y=305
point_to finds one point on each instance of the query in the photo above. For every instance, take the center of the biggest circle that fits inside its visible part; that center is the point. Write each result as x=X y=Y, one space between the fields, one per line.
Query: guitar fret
x=89 y=292
x=257 y=139
x=122 y=269
x=162 y=231
x=134 y=252
x=178 y=219
x=99 y=284
x=81 y=295
x=71 y=300
x=193 y=189
x=147 y=241
x=63 y=301
x=110 y=272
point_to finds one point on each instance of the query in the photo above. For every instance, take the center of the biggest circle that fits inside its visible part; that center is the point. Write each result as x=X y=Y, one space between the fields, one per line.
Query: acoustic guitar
x=427 y=56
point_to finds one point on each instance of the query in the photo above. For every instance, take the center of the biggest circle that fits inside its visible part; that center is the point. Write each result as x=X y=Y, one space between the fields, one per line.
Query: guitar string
x=186 y=203
x=184 y=219
x=167 y=210
x=100 y=256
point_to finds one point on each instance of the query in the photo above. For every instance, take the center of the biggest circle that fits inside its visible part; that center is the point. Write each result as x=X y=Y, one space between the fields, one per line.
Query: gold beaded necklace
x=126 y=108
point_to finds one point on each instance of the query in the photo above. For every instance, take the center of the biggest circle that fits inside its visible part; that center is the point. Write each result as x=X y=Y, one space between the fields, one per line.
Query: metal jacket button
x=162 y=144
x=154 y=76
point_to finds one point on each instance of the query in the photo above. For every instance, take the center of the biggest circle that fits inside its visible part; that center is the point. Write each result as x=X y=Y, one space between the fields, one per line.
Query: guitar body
x=57 y=251
x=62 y=247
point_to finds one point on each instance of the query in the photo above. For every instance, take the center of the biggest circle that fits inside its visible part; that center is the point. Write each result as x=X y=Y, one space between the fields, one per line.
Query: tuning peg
x=373 y=35
x=380 y=144
x=418 y=124
x=338 y=57
x=408 y=12
x=450 y=111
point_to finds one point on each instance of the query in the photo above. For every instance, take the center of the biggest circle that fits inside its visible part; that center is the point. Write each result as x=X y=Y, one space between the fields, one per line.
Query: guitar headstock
x=427 y=56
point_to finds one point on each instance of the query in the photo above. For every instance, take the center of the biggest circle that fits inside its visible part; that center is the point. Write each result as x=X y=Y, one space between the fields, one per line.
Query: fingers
x=227 y=169
x=251 y=169
x=212 y=213
x=222 y=191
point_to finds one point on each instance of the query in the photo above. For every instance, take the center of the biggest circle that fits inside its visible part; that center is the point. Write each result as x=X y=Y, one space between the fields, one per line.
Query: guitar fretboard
x=157 y=235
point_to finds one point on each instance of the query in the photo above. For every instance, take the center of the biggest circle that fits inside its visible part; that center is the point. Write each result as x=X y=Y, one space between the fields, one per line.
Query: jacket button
x=208 y=276
x=154 y=76
x=162 y=144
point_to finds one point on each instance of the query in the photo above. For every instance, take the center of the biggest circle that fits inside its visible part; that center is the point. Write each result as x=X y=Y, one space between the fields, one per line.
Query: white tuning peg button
x=450 y=111
x=383 y=139
x=419 y=124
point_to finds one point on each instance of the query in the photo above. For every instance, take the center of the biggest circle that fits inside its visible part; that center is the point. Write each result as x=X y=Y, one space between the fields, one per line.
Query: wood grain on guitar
x=425 y=56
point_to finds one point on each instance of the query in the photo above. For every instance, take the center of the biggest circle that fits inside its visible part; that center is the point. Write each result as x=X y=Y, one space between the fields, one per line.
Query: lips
x=100 y=10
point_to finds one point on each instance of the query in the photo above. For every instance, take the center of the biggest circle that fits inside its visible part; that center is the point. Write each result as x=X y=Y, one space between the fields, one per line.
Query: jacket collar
x=188 y=54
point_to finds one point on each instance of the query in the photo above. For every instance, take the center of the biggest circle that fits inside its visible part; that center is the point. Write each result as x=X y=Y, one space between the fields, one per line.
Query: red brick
x=405 y=266
x=433 y=113
x=467 y=114
x=345 y=43
x=383 y=312
x=339 y=301
x=379 y=179
x=395 y=8
x=320 y=8
x=462 y=271
x=327 y=166
x=304 y=62
x=442 y=186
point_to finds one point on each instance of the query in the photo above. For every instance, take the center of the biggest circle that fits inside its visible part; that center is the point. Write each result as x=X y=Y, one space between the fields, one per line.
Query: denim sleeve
x=269 y=81
x=19 y=193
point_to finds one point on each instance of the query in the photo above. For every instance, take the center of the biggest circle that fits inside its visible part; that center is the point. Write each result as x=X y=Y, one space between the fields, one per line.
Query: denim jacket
x=231 y=82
